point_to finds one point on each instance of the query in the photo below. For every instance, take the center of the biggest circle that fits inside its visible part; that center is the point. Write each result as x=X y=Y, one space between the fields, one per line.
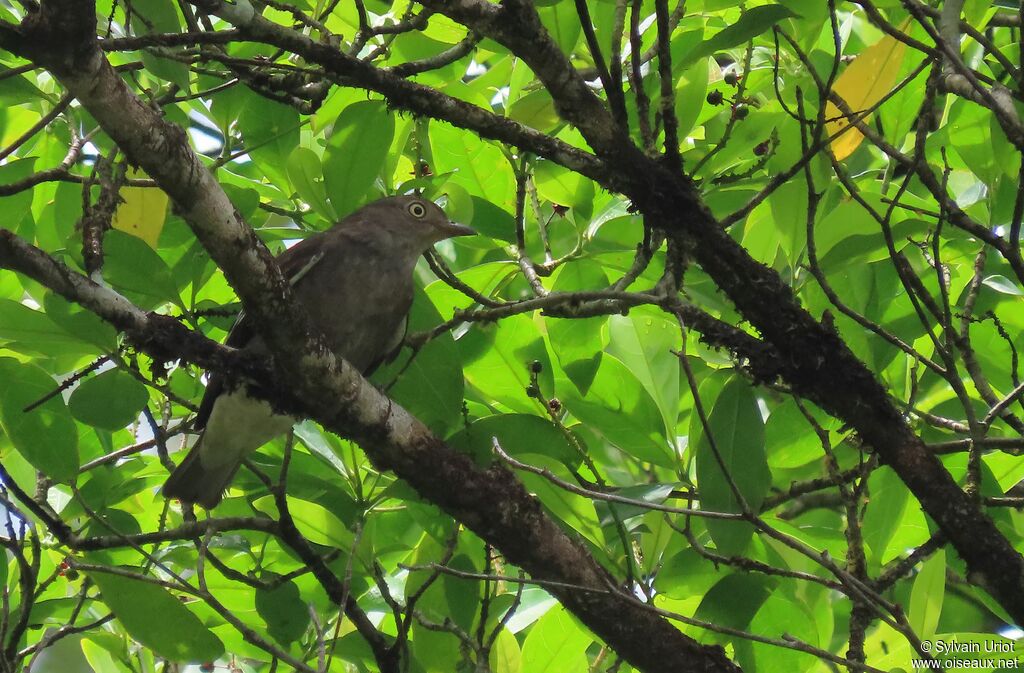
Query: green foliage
x=583 y=369
x=157 y=619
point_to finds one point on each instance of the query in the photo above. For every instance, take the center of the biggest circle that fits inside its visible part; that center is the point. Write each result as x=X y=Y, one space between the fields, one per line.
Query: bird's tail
x=196 y=483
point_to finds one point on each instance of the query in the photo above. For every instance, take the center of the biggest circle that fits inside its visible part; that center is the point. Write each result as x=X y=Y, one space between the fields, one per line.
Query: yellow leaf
x=866 y=81
x=143 y=212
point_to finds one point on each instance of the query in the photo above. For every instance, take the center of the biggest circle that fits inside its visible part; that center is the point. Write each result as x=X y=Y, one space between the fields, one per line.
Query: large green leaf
x=578 y=342
x=734 y=600
x=46 y=436
x=789 y=438
x=497 y=362
x=643 y=341
x=518 y=434
x=317 y=523
x=884 y=513
x=356 y=152
x=506 y=655
x=428 y=383
x=162 y=17
x=927 y=595
x=307 y=177
x=556 y=644
x=779 y=615
x=561 y=186
x=563 y=23
x=80 y=323
x=135 y=269
x=17 y=205
x=271 y=131
x=158 y=620
x=283 y=611
x=30 y=331
x=737 y=429
x=110 y=400
x=618 y=407
x=478 y=166
x=751 y=23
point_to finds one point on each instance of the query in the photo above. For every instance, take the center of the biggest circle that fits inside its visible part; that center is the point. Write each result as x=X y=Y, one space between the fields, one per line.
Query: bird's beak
x=453 y=229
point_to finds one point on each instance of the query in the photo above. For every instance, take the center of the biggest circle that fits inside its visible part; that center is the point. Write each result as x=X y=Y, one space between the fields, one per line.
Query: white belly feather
x=238 y=425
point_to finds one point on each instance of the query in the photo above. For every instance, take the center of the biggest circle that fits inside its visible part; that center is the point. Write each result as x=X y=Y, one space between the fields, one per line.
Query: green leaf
x=618 y=407
x=31 y=331
x=518 y=434
x=789 y=438
x=478 y=165
x=137 y=270
x=505 y=656
x=356 y=152
x=46 y=436
x=156 y=619
x=283 y=611
x=690 y=95
x=111 y=400
x=735 y=599
x=431 y=384
x=1004 y=285
x=643 y=341
x=490 y=220
x=537 y=110
x=884 y=512
x=556 y=644
x=307 y=178
x=318 y=524
x=271 y=131
x=161 y=17
x=78 y=322
x=98 y=653
x=563 y=23
x=779 y=615
x=167 y=69
x=17 y=205
x=497 y=361
x=926 y=596
x=751 y=23
x=578 y=343
x=561 y=186
x=738 y=431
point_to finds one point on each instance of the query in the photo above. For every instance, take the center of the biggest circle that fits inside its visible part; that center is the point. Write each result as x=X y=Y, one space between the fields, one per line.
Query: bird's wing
x=295 y=263
x=394 y=347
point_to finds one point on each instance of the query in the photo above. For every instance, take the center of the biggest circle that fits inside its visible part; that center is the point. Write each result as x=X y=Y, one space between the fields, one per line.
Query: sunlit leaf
x=926 y=596
x=110 y=400
x=733 y=442
x=356 y=152
x=142 y=212
x=283 y=611
x=156 y=619
x=866 y=81
x=45 y=435
x=751 y=23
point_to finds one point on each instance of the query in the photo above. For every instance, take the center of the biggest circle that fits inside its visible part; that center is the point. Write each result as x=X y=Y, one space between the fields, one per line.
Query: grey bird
x=356 y=282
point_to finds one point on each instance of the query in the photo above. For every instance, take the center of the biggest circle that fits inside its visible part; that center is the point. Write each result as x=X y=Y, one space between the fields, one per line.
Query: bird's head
x=411 y=222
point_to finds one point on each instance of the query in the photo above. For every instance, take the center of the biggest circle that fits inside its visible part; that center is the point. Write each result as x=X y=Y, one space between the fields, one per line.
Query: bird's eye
x=417 y=210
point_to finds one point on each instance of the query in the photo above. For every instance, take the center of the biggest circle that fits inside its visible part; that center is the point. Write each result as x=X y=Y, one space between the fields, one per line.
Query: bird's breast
x=365 y=309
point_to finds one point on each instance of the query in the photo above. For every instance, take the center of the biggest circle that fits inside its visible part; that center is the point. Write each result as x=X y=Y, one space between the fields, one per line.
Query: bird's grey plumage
x=356 y=283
